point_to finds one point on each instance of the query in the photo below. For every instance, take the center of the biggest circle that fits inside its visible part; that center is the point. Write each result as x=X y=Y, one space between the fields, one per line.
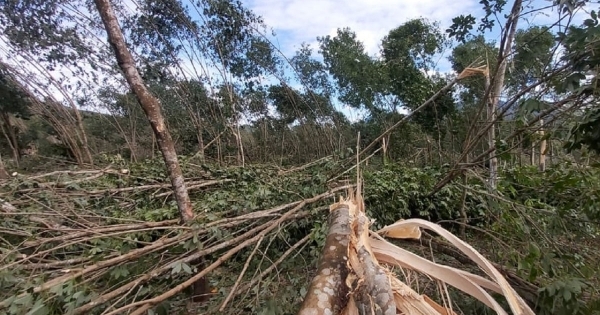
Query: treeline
x=229 y=96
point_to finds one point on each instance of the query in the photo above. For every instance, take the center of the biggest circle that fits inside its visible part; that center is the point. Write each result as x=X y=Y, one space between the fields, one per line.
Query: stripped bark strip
x=372 y=290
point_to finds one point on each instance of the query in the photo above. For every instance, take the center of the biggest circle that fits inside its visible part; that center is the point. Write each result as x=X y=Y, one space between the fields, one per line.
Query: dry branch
x=7 y=207
x=147 y=304
x=221 y=245
x=196 y=185
x=305 y=166
x=270 y=269
x=240 y=276
x=470 y=70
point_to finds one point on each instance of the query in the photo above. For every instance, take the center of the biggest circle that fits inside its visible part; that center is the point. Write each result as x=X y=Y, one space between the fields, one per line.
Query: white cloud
x=298 y=21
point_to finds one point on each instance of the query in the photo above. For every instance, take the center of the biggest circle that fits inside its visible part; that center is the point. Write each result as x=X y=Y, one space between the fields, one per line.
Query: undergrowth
x=543 y=226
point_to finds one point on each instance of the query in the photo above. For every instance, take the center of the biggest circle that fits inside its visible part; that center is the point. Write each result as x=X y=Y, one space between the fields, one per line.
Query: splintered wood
x=353 y=275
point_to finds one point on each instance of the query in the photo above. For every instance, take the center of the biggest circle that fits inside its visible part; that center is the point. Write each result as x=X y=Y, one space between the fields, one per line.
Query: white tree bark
x=498 y=85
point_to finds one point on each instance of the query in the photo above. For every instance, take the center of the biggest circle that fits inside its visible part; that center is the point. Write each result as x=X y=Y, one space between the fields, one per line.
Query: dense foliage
x=515 y=174
x=553 y=211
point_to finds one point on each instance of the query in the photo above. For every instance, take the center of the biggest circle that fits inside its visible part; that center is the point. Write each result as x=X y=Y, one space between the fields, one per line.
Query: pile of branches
x=70 y=247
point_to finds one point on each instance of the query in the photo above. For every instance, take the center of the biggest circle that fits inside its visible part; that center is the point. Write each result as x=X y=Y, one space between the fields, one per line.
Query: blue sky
x=302 y=21
x=298 y=21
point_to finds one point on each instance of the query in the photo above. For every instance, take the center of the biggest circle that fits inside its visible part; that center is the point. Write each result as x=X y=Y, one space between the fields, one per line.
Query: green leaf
x=39 y=309
x=567 y=295
x=186 y=268
x=176 y=267
x=25 y=300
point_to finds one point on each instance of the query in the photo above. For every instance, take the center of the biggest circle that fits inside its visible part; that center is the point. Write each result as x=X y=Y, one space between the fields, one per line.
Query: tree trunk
x=11 y=136
x=542 y=163
x=491 y=116
x=200 y=143
x=498 y=84
x=149 y=104
x=532 y=154
x=3 y=172
x=83 y=137
x=384 y=146
x=327 y=293
x=152 y=109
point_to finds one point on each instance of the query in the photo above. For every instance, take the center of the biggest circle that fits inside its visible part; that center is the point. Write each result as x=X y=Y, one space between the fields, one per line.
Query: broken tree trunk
x=327 y=293
x=351 y=280
x=498 y=85
x=542 y=163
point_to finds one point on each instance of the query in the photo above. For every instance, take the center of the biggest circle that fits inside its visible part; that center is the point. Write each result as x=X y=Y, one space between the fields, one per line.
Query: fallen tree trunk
x=351 y=280
x=327 y=293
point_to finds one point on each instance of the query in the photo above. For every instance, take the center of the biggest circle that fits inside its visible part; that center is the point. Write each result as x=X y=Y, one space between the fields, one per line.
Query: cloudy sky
x=297 y=21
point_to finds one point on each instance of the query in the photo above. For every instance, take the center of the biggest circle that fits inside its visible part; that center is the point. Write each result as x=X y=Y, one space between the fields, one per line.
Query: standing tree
x=13 y=103
x=152 y=109
x=495 y=84
x=149 y=104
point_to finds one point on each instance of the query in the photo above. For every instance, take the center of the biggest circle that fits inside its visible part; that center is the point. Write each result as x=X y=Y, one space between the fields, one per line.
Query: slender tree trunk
x=152 y=109
x=79 y=133
x=264 y=142
x=128 y=140
x=149 y=104
x=3 y=172
x=201 y=145
x=384 y=150
x=134 y=142
x=11 y=136
x=240 y=145
x=282 y=148
x=84 y=141
x=463 y=206
x=551 y=146
x=498 y=85
x=219 y=153
x=542 y=162
x=491 y=116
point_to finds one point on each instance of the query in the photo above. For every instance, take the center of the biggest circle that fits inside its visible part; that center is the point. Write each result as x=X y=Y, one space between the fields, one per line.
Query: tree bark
x=10 y=135
x=542 y=162
x=152 y=109
x=3 y=172
x=498 y=84
x=328 y=292
x=149 y=104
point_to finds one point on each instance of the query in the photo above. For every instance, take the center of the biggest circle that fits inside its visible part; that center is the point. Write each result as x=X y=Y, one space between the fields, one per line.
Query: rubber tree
x=13 y=103
x=498 y=85
x=149 y=104
x=152 y=109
